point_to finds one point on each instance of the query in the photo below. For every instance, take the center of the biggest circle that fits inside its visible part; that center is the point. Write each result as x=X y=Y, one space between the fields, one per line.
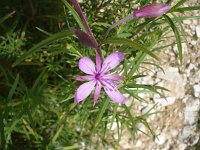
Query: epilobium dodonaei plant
x=39 y=91
x=97 y=74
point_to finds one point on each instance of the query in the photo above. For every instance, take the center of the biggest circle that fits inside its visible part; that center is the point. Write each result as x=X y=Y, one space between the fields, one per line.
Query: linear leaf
x=136 y=63
x=14 y=86
x=131 y=43
x=38 y=80
x=6 y=17
x=187 y=9
x=153 y=88
x=153 y=64
x=74 y=13
x=101 y=112
x=131 y=118
x=177 y=35
x=43 y=43
x=114 y=115
x=181 y=2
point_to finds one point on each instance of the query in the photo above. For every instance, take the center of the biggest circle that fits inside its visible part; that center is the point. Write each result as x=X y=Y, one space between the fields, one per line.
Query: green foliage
x=38 y=63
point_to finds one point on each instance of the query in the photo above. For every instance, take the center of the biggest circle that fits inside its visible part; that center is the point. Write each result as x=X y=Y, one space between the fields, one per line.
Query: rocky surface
x=177 y=127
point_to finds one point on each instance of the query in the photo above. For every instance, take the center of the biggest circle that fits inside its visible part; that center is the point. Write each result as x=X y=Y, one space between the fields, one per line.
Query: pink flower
x=152 y=10
x=98 y=75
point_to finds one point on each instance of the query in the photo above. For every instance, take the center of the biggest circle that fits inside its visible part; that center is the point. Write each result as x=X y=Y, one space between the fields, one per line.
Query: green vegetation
x=38 y=64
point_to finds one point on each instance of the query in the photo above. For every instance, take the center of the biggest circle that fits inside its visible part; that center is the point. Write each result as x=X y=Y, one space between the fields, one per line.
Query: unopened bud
x=85 y=39
x=152 y=10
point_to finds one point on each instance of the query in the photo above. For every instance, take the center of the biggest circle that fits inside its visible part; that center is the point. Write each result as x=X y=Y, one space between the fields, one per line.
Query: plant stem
x=85 y=24
x=116 y=24
x=2 y=136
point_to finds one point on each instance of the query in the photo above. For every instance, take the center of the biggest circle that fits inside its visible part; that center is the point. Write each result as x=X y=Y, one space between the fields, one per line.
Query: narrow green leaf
x=70 y=147
x=162 y=47
x=177 y=35
x=148 y=34
x=144 y=121
x=74 y=13
x=6 y=17
x=146 y=114
x=129 y=114
x=38 y=80
x=49 y=40
x=181 y=18
x=2 y=131
x=153 y=64
x=138 y=76
x=114 y=114
x=43 y=31
x=14 y=86
x=149 y=87
x=55 y=137
x=191 y=8
x=135 y=95
x=131 y=43
x=101 y=112
x=119 y=128
x=134 y=65
x=181 y=2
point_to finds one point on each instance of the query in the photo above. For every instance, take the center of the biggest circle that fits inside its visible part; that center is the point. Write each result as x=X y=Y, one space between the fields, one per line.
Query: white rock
x=175 y=82
x=189 y=135
x=160 y=139
x=182 y=146
x=186 y=132
x=187 y=21
x=196 y=90
x=195 y=22
x=184 y=48
x=138 y=144
x=193 y=105
x=198 y=31
x=190 y=68
x=193 y=42
x=174 y=133
x=191 y=111
x=171 y=74
x=165 y=102
x=190 y=117
x=192 y=27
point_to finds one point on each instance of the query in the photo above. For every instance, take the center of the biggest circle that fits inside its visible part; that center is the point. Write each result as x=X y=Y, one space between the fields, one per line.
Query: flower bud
x=152 y=10
x=85 y=39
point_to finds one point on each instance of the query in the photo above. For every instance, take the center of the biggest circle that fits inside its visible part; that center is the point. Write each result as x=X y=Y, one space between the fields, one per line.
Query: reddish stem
x=85 y=24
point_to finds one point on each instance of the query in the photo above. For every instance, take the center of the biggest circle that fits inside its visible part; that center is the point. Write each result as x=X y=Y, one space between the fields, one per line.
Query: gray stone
x=196 y=89
x=198 y=31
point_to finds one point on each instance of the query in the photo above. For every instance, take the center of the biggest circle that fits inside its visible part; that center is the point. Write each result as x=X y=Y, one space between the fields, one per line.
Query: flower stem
x=2 y=132
x=116 y=24
x=85 y=24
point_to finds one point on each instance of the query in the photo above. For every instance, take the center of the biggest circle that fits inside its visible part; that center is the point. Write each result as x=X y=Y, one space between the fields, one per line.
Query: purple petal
x=112 y=61
x=97 y=92
x=152 y=10
x=84 y=78
x=84 y=91
x=98 y=62
x=86 y=65
x=85 y=39
x=115 y=95
x=113 y=77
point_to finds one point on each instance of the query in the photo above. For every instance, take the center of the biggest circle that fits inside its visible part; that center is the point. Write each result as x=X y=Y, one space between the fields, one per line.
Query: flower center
x=98 y=76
